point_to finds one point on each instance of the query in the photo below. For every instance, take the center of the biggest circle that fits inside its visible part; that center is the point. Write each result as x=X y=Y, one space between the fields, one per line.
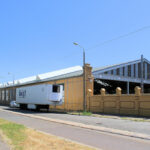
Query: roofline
x=117 y=65
x=61 y=77
x=42 y=81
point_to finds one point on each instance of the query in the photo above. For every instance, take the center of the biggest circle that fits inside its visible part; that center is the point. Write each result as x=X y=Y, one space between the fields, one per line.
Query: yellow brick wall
x=73 y=94
x=138 y=105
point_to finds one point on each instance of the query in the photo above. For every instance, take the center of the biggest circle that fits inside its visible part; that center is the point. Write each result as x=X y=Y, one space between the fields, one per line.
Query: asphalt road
x=94 y=138
x=127 y=125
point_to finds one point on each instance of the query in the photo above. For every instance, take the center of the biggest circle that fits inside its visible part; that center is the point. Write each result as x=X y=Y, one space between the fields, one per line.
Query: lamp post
x=84 y=83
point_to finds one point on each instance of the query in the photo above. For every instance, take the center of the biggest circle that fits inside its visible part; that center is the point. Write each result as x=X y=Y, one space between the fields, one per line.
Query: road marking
x=81 y=125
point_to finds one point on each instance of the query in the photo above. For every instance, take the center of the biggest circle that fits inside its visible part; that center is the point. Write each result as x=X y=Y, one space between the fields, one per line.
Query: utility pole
x=142 y=82
x=84 y=75
x=84 y=82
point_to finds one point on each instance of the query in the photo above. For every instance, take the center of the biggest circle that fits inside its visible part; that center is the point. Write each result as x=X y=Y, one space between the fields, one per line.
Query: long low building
x=70 y=78
x=124 y=75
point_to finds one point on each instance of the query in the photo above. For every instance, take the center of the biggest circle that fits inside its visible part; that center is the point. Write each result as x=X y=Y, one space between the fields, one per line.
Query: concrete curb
x=81 y=125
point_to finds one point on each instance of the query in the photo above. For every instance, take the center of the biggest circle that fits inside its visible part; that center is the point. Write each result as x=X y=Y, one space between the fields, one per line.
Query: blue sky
x=36 y=36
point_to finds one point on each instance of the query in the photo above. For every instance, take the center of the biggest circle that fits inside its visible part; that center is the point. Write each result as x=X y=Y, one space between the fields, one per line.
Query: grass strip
x=22 y=138
x=14 y=132
x=137 y=119
x=83 y=113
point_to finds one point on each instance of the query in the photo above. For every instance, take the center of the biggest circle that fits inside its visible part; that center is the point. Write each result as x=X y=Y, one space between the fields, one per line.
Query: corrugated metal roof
x=55 y=75
x=64 y=73
x=116 y=65
x=60 y=72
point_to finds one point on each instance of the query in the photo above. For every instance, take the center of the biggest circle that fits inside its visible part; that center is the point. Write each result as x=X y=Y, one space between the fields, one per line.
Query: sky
x=36 y=36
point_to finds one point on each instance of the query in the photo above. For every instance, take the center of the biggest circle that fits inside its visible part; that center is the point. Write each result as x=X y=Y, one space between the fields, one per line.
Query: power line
x=119 y=37
x=109 y=41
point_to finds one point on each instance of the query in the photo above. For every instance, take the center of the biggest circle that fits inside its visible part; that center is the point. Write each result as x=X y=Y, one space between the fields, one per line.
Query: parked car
x=13 y=104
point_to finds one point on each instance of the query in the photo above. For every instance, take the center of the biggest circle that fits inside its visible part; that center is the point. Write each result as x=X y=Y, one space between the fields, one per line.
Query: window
x=139 y=70
x=56 y=88
x=148 y=71
x=62 y=85
x=123 y=71
x=129 y=70
x=134 y=70
x=11 y=94
x=7 y=96
x=118 y=71
x=112 y=72
x=144 y=68
x=3 y=95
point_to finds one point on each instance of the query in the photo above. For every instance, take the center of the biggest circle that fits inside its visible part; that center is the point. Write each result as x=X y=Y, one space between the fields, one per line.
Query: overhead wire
x=120 y=37
x=110 y=40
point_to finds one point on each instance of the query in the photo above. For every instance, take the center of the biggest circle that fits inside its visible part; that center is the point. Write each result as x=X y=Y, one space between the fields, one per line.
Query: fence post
x=137 y=98
x=89 y=100
x=137 y=91
x=103 y=93
x=118 y=93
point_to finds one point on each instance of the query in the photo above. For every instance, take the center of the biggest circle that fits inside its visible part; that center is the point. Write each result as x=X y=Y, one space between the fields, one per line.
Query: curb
x=81 y=125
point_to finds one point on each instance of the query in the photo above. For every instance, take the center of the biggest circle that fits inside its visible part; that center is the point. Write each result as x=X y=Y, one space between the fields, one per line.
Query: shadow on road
x=30 y=111
x=43 y=111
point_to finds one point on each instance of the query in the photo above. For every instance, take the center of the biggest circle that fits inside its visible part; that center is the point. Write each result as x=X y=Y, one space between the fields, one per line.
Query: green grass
x=83 y=113
x=22 y=138
x=86 y=113
x=14 y=132
x=136 y=119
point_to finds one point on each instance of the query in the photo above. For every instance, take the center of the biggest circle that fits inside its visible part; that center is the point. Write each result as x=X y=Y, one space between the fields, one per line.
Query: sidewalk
x=114 y=123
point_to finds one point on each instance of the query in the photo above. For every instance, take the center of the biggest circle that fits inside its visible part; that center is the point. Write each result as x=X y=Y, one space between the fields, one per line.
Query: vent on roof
x=38 y=78
x=18 y=82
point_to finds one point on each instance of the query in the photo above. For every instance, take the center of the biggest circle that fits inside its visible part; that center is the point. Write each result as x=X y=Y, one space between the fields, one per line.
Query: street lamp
x=84 y=83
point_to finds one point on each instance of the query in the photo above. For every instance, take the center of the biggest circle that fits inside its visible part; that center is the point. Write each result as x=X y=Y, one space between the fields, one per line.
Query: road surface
x=121 y=124
x=94 y=138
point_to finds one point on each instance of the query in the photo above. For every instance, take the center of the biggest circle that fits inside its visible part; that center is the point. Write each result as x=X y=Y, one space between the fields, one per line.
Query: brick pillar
x=118 y=93
x=137 y=98
x=89 y=83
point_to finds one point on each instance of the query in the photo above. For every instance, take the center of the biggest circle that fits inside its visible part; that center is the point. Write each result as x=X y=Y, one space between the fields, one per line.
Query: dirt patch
x=37 y=140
